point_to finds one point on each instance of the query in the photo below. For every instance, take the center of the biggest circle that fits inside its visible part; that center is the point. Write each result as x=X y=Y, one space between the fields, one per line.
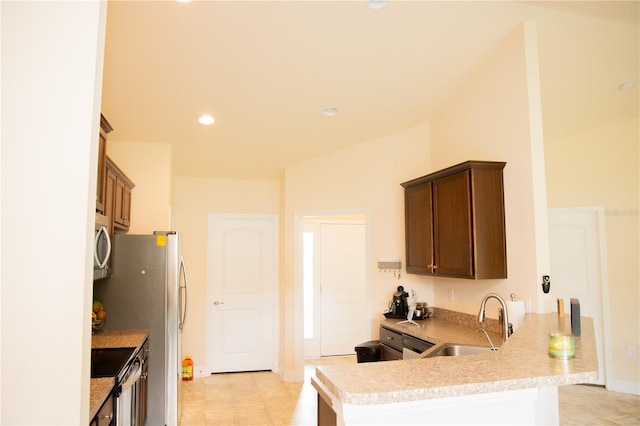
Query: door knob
x=218 y=303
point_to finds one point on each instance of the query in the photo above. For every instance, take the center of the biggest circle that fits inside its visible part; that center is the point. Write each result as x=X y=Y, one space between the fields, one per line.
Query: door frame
x=274 y=218
x=603 y=290
x=298 y=373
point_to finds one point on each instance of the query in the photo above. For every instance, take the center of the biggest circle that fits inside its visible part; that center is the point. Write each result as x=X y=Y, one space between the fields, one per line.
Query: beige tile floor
x=263 y=398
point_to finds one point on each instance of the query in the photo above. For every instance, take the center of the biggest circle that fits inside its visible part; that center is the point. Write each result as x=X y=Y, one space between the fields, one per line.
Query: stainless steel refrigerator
x=148 y=289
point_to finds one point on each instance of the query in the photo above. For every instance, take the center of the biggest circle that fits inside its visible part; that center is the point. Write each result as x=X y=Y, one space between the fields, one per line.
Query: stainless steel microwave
x=101 y=248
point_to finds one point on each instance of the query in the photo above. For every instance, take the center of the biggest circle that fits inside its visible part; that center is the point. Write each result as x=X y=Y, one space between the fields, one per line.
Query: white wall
x=51 y=78
x=148 y=165
x=193 y=199
x=601 y=167
x=495 y=116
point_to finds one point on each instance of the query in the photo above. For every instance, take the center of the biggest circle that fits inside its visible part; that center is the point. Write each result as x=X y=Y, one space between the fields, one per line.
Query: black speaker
x=575 y=317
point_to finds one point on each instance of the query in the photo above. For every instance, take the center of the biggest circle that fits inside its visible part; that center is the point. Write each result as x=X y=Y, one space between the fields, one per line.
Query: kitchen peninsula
x=516 y=385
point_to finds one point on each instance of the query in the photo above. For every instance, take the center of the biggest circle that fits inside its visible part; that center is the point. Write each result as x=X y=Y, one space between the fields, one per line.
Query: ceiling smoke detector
x=376 y=4
x=628 y=84
x=330 y=111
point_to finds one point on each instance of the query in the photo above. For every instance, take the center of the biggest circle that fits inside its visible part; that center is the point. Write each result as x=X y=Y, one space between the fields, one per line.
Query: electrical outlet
x=199 y=371
x=452 y=295
x=632 y=351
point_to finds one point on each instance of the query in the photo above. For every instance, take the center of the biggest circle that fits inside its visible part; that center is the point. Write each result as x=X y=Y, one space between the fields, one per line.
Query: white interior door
x=242 y=262
x=343 y=289
x=577 y=266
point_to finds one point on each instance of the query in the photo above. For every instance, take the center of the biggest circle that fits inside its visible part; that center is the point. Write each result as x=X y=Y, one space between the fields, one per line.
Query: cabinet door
x=418 y=229
x=391 y=338
x=118 y=215
x=105 y=128
x=126 y=205
x=105 y=416
x=326 y=415
x=142 y=393
x=100 y=183
x=122 y=207
x=119 y=189
x=388 y=353
x=109 y=196
x=452 y=232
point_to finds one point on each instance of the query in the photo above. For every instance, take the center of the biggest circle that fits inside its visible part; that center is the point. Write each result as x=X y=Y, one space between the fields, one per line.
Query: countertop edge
x=521 y=363
x=461 y=390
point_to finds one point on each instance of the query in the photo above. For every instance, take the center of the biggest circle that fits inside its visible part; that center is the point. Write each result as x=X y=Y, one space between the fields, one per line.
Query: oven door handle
x=133 y=376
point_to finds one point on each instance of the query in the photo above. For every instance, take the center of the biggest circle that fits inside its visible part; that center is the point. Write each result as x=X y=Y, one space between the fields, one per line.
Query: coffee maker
x=399 y=307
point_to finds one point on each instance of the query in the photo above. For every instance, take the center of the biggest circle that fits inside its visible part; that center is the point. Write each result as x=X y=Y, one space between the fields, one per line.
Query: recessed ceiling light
x=184 y=1
x=377 y=4
x=207 y=120
x=330 y=111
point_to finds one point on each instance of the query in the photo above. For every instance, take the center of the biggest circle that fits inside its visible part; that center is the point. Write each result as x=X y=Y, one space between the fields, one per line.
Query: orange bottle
x=187 y=369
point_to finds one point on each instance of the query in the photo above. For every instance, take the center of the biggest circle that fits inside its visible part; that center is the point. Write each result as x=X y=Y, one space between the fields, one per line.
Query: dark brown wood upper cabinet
x=418 y=228
x=105 y=129
x=113 y=192
x=118 y=196
x=455 y=224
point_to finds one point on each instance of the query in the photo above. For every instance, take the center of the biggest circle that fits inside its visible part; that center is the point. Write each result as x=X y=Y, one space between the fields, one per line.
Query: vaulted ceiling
x=265 y=70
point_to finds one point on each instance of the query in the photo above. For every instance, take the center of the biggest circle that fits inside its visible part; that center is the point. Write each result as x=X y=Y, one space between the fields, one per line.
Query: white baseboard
x=624 y=386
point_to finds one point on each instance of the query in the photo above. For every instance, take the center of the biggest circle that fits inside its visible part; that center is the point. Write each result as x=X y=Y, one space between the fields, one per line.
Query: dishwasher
x=412 y=347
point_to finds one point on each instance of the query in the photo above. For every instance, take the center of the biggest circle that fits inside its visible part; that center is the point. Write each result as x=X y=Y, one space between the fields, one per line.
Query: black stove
x=110 y=362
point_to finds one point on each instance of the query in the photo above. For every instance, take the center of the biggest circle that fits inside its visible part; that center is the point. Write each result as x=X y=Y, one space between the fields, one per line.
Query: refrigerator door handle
x=183 y=300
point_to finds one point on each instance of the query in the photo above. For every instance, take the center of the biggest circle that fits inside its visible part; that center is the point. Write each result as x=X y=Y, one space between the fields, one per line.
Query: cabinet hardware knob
x=109 y=416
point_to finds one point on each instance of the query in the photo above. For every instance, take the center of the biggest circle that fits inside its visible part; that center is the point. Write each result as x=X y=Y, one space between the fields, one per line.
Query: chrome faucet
x=505 y=321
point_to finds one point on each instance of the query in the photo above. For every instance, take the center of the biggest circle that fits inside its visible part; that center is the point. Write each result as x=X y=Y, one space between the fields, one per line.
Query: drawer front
x=391 y=338
x=387 y=353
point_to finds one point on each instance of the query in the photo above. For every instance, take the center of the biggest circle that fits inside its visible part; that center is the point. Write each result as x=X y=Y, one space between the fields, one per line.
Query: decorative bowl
x=96 y=326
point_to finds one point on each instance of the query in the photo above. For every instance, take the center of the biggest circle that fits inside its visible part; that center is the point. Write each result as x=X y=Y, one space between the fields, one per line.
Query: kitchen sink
x=454 y=349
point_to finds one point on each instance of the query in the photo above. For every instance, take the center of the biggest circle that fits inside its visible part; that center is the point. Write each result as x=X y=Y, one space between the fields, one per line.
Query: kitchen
x=418 y=149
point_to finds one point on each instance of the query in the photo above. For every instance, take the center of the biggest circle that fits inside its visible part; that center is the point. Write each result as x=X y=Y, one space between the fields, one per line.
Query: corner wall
x=496 y=117
x=362 y=177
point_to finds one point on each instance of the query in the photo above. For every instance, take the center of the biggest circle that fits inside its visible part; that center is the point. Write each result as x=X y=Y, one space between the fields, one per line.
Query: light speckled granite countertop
x=101 y=388
x=521 y=362
x=133 y=338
